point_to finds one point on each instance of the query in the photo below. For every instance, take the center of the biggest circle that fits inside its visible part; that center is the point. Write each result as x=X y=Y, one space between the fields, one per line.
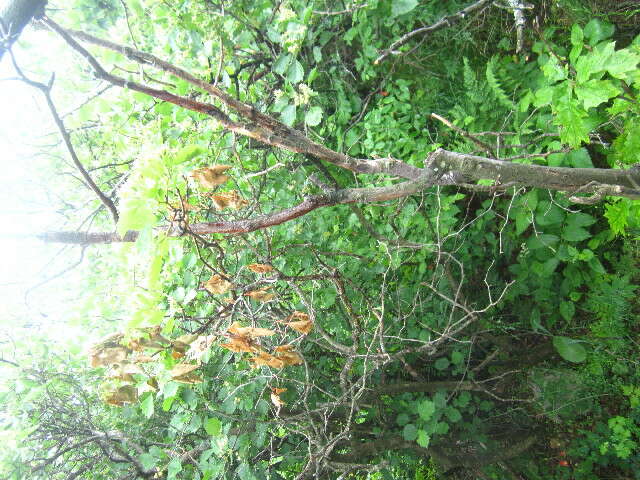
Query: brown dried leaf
x=230 y=199
x=121 y=395
x=275 y=397
x=303 y=326
x=260 y=295
x=142 y=359
x=285 y=348
x=200 y=345
x=240 y=344
x=290 y=358
x=189 y=378
x=236 y=329
x=182 y=369
x=217 y=285
x=266 y=360
x=260 y=268
x=211 y=177
x=103 y=357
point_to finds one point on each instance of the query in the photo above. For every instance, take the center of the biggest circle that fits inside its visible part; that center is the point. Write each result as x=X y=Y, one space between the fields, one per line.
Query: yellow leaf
x=210 y=177
x=236 y=329
x=217 y=285
x=230 y=199
x=260 y=268
x=182 y=369
x=260 y=295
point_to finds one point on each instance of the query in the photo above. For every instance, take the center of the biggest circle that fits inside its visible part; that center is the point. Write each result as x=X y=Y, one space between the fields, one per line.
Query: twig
x=445 y=21
x=484 y=146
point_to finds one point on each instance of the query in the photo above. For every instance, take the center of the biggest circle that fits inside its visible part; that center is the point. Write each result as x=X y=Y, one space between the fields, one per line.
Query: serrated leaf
x=621 y=63
x=147 y=461
x=400 y=7
x=597 y=30
x=281 y=64
x=426 y=409
x=570 y=349
x=423 y=439
x=409 y=432
x=147 y=406
x=213 y=426
x=594 y=92
x=313 y=116
x=577 y=35
x=295 y=72
x=573 y=233
x=453 y=414
x=288 y=114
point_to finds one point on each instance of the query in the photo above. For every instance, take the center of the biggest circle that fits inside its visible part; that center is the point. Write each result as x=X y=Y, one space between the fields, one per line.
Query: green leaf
x=147 y=460
x=400 y=7
x=457 y=357
x=173 y=468
x=213 y=426
x=409 y=432
x=187 y=154
x=288 y=115
x=147 y=406
x=617 y=214
x=441 y=363
x=567 y=310
x=423 y=439
x=572 y=120
x=577 y=36
x=594 y=92
x=621 y=63
x=426 y=409
x=570 y=349
x=573 y=233
x=453 y=414
x=295 y=72
x=402 y=419
x=313 y=116
x=282 y=64
x=597 y=30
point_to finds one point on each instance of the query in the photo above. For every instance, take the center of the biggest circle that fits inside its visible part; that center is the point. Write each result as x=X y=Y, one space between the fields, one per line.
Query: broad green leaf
x=288 y=115
x=213 y=426
x=402 y=419
x=577 y=36
x=426 y=409
x=147 y=461
x=573 y=233
x=453 y=414
x=187 y=153
x=617 y=213
x=295 y=72
x=574 y=127
x=173 y=468
x=570 y=349
x=441 y=363
x=313 y=116
x=409 y=432
x=400 y=7
x=147 y=406
x=621 y=63
x=597 y=30
x=567 y=310
x=594 y=92
x=423 y=439
x=282 y=64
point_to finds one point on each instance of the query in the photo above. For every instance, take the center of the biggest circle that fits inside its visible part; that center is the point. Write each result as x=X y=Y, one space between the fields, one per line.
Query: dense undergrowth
x=471 y=332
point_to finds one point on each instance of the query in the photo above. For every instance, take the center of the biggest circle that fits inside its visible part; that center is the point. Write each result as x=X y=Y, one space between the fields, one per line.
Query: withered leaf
x=182 y=369
x=211 y=177
x=299 y=321
x=142 y=359
x=289 y=357
x=275 y=397
x=260 y=268
x=217 y=285
x=264 y=359
x=230 y=199
x=200 y=345
x=189 y=378
x=121 y=395
x=240 y=344
x=260 y=295
x=103 y=357
x=236 y=329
